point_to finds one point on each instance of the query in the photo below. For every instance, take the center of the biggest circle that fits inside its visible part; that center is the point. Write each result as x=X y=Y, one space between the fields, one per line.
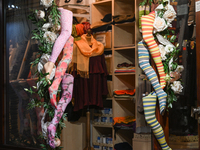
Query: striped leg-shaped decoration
x=149 y=103
x=147 y=33
x=144 y=64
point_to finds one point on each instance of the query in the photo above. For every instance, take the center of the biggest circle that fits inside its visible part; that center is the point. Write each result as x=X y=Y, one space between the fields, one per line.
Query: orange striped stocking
x=147 y=32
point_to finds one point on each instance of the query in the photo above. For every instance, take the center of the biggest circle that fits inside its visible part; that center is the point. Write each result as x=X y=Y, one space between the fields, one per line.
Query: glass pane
x=183 y=126
x=23 y=128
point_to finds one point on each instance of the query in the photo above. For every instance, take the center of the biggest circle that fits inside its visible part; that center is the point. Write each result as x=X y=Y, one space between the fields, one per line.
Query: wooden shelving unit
x=123 y=50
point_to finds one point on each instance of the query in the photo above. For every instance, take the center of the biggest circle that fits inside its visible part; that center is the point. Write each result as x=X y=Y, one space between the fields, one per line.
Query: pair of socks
x=67 y=87
x=149 y=104
x=143 y=56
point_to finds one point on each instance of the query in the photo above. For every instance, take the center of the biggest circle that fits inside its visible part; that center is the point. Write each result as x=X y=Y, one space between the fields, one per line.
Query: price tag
x=197 y=6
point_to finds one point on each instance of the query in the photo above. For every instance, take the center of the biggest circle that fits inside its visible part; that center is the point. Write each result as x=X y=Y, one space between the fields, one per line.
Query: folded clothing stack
x=124 y=93
x=125 y=68
x=127 y=123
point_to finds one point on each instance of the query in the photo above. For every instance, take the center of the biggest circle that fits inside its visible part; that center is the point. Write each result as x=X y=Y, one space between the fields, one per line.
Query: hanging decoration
x=168 y=47
x=47 y=30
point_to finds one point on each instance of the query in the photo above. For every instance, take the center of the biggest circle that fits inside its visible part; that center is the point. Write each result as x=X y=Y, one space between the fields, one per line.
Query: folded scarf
x=84 y=49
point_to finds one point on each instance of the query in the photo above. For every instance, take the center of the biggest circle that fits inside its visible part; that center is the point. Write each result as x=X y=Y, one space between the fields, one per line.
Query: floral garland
x=47 y=24
x=165 y=14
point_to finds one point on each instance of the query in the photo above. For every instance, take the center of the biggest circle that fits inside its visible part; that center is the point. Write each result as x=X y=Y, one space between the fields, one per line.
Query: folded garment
x=123 y=146
x=124 y=92
x=124 y=71
x=123 y=18
x=125 y=65
x=105 y=21
x=105 y=27
x=124 y=120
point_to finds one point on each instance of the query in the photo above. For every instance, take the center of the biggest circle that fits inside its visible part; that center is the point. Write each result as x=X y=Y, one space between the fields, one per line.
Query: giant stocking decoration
x=147 y=33
x=67 y=86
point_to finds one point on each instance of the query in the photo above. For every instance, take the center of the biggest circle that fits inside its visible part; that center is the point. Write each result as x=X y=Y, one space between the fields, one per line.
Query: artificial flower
x=162 y=52
x=167 y=78
x=170 y=63
x=169 y=48
x=174 y=76
x=58 y=27
x=159 y=24
x=46 y=26
x=50 y=18
x=176 y=87
x=43 y=60
x=179 y=68
x=165 y=1
x=50 y=37
x=163 y=40
x=158 y=9
x=46 y=3
x=170 y=14
x=40 y=14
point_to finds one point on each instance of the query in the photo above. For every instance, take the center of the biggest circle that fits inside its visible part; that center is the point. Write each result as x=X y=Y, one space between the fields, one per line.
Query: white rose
x=46 y=26
x=43 y=60
x=46 y=3
x=162 y=52
x=40 y=14
x=169 y=48
x=50 y=37
x=179 y=68
x=159 y=24
x=170 y=14
x=176 y=87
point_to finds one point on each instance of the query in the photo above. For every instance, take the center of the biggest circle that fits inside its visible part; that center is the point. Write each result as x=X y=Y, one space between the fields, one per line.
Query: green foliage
x=42 y=83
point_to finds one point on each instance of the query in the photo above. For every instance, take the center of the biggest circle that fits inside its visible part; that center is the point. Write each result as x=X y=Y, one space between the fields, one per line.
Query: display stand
x=88 y=147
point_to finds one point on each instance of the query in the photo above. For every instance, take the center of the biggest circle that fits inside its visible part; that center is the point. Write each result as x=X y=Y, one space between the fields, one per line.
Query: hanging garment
x=82 y=52
x=89 y=91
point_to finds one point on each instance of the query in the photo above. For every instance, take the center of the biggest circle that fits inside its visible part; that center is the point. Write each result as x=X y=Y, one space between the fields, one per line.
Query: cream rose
x=40 y=14
x=50 y=37
x=179 y=68
x=159 y=24
x=46 y=26
x=176 y=87
x=162 y=52
x=170 y=14
x=46 y=3
x=169 y=48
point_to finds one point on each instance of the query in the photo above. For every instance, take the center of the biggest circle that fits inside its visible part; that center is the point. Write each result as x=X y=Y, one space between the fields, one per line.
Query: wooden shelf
x=102 y=144
x=124 y=48
x=125 y=99
x=128 y=24
x=123 y=74
x=103 y=125
x=107 y=49
x=103 y=2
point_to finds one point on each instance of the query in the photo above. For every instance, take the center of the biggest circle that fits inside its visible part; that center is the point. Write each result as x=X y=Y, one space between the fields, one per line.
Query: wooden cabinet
x=123 y=49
